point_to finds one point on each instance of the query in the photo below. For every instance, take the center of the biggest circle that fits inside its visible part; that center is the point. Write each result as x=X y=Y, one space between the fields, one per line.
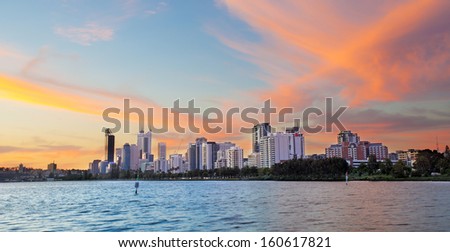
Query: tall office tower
x=144 y=144
x=259 y=131
x=126 y=157
x=235 y=157
x=162 y=150
x=199 y=152
x=347 y=136
x=109 y=146
x=209 y=155
x=191 y=157
x=134 y=157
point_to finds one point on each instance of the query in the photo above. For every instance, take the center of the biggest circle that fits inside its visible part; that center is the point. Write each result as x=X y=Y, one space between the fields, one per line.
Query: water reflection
x=225 y=206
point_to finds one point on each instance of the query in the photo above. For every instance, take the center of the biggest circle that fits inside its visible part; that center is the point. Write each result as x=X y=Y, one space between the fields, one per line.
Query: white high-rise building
x=209 y=154
x=199 y=153
x=235 y=157
x=254 y=160
x=279 y=147
x=221 y=155
x=161 y=165
x=144 y=144
x=267 y=151
x=175 y=162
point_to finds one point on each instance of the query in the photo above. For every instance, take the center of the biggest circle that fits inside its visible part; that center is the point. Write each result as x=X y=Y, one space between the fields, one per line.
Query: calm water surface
x=225 y=206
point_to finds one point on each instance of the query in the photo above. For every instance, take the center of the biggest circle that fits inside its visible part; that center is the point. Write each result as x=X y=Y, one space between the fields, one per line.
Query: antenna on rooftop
x=437 y=144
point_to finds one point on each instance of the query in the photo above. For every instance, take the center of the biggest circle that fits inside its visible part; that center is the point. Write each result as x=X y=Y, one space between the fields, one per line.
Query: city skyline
x=389 y=62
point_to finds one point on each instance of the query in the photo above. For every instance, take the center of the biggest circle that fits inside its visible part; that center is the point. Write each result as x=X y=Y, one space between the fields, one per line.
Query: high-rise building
x=144 y=144
x=119 y=157
x=199 y=152
x=378 y=150
x=175 y=162
x=235 y=157
x=279 y=147
x=162 y=150
x=402 y=155
x=94 y=167
x=347 y=136
x=52 y=167
x=109 y=146
x=126 y=157
x=134 y=157
x=259 y=131
x=221 y=155
x=209 y=154
x=191 y=156
x=103 y=166
x=254 y=160
x=161 y=165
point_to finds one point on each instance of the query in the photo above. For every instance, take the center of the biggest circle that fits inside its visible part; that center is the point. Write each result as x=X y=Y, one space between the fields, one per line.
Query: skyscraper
x=191 y=157
x=162 y=150
x=109 y=146
x=199 y=152
x=259 y=131
x=126 y=157
x=209 y=155
x=134 y=157
x=144 y=144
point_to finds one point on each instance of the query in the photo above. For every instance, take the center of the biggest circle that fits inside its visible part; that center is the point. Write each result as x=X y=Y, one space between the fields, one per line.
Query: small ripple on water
x=196 y=206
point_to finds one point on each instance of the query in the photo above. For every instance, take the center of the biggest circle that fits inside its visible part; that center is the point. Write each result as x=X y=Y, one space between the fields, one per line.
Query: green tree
x=388 y=166
x=443 y=166
x=362 y=169
x=423 y=166
x=399 y=169
x=372 y=164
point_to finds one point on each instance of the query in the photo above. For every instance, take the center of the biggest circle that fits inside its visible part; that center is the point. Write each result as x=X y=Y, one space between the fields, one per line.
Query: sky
x=63 y=62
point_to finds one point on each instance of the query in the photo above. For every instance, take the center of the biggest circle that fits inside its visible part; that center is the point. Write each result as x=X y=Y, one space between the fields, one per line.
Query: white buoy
x=346 y=178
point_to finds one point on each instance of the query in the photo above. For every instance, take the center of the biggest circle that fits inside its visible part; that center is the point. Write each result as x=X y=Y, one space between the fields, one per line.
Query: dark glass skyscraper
x=109 y=146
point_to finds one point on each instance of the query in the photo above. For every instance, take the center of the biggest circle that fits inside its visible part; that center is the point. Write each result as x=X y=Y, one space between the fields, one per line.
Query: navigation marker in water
x=346 y=178
x=136 y=185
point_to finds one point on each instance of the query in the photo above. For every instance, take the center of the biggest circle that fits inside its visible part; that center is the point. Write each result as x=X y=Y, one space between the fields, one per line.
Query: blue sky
x=63 y=61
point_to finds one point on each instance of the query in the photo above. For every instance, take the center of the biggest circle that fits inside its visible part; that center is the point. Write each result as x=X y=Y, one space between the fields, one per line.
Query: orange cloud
x=20 y=90
x=322 y=48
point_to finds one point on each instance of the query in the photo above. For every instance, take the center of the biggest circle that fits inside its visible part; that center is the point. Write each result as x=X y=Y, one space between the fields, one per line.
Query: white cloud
x=87 y=34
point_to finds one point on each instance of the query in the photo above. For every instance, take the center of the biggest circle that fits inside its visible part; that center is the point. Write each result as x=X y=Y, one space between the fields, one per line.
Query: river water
x=224 y=206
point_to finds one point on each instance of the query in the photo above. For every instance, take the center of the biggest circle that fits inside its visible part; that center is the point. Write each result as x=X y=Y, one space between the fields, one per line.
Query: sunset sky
x=62 y=62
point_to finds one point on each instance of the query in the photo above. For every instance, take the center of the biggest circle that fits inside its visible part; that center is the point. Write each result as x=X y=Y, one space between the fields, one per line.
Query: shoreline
x=366 y=179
